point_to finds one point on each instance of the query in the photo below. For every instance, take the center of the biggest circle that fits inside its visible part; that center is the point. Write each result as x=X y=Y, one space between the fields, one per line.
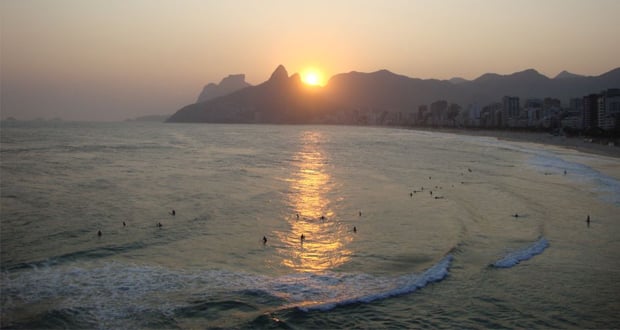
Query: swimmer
x=516 y=215
x=99 y=233
x=173 y=212
x=322 y=217
x=159 y=225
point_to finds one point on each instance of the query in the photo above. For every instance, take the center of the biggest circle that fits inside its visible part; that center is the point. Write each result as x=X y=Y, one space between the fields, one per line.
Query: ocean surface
x=402 y=229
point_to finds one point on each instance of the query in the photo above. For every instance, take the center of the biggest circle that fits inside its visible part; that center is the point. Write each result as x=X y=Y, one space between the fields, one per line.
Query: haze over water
x=456 y=258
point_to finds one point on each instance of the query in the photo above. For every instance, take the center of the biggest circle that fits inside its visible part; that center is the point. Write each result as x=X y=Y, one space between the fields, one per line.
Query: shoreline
x=575 y=143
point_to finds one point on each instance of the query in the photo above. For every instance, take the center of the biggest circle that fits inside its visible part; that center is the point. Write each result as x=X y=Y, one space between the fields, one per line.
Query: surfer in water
x=173 y=212
x=264 y=240
x=99 y=233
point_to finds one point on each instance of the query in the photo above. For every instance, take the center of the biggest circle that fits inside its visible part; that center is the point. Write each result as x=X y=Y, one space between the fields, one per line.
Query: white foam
x=366 y=288
x=114 y=291
x=526 y=253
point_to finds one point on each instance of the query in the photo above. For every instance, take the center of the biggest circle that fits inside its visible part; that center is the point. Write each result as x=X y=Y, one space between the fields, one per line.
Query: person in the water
x=302 y=238
x=264 y=240
x=99 y=233
x=354 y=229
x=173 y=212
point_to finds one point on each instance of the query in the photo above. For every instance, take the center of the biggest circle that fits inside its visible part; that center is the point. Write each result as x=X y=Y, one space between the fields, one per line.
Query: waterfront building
x=609 y=109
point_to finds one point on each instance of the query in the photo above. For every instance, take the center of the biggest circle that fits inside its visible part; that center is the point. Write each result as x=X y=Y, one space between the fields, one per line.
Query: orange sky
x=117 y=59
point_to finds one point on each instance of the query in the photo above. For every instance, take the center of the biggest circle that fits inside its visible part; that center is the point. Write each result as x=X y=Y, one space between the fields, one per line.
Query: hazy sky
x=118 y=59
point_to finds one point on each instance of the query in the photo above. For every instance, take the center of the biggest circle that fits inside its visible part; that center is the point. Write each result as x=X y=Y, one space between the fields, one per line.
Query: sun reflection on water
x=326 y=238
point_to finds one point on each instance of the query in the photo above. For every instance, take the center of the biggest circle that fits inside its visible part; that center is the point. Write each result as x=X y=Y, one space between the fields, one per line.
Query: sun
x=312 y=76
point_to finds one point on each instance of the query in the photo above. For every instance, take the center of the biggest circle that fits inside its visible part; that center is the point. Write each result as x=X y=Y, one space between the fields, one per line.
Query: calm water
x=435 y=244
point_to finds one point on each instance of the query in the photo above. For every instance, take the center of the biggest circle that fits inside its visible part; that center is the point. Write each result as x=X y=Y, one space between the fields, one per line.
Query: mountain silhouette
x=284 y=99
x=281 y=99
x=567 y=75
x=232 y=83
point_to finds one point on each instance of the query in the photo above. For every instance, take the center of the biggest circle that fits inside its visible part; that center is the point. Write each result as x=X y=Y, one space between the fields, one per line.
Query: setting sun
x=312 y=77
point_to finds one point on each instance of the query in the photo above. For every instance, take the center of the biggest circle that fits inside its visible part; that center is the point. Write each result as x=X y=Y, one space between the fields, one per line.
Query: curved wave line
x=528 y=252
x=434 y=274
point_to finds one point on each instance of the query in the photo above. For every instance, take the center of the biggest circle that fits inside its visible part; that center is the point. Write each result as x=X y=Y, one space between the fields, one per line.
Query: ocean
x=401 y=229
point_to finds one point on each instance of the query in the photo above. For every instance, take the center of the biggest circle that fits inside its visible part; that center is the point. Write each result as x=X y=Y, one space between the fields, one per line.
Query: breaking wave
x=526 y=253
x=125 y=289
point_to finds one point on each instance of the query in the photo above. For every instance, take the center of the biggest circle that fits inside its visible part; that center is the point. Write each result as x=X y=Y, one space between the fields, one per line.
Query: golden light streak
x=325 y=244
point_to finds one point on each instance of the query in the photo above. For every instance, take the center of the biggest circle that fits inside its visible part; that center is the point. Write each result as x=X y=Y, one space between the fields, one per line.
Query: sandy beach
x=581 y=144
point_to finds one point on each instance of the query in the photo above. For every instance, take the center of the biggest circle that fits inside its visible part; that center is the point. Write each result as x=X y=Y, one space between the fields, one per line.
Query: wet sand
x=581 y=144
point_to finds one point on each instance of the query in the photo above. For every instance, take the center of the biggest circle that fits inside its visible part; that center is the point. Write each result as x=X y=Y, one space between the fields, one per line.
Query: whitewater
x=400 y=228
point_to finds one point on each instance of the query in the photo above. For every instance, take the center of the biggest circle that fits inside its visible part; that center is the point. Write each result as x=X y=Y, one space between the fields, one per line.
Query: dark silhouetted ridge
x=284 y=99
x=567 y=75
x=280 y=74
x=232 y=83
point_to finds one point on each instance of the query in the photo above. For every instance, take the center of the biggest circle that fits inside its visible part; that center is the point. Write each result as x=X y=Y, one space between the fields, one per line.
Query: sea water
x=402 y=229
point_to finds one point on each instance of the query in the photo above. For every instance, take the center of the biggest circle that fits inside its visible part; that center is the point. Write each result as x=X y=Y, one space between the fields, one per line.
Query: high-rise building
x=609 y=109
x=511 y=106
x=590 y=111
x=511 y=110
x=533 y=110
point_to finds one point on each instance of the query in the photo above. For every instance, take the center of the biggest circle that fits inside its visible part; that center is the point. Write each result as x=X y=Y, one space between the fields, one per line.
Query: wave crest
x=526 y=253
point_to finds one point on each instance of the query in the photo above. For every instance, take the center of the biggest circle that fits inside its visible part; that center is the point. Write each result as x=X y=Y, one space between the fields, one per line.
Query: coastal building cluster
x=594 y=113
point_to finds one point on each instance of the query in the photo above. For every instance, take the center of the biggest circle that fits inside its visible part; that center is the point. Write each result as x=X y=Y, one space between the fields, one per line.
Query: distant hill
x=567 y=75
x=284 y=99
x=458 y=80
x=232 y=83
x=281 y=99
x=386 y=90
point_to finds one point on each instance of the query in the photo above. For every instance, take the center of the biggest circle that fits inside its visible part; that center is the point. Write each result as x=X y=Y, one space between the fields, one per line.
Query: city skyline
x=113 y=60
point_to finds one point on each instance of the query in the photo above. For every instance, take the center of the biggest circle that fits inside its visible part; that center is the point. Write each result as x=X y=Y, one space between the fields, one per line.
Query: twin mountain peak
x=283 y=98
